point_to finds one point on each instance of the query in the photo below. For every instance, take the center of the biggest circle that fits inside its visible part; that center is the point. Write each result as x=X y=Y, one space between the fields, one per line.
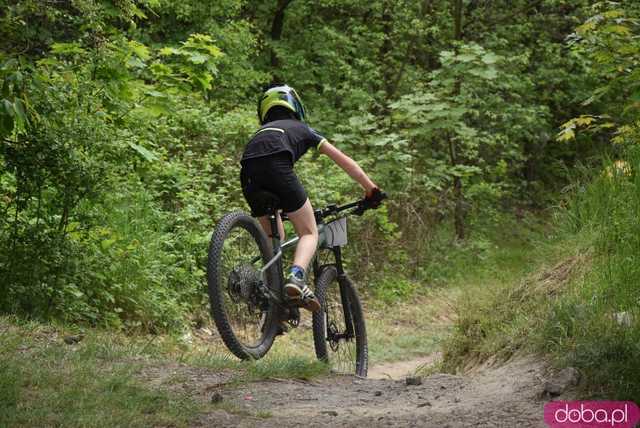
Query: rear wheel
x=243 y=315
x=339 y=332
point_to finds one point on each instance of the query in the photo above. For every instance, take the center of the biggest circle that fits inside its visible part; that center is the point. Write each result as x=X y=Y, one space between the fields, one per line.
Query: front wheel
x=339 y=332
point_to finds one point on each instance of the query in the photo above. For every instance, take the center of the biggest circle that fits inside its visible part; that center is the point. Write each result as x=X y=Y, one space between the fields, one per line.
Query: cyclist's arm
x=348 y=165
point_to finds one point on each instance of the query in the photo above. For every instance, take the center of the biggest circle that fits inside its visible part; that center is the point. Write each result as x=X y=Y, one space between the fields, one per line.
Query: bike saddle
x=269 y=201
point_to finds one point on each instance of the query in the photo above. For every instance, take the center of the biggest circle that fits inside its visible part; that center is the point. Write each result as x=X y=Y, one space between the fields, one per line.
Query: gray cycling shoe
x=297 y=291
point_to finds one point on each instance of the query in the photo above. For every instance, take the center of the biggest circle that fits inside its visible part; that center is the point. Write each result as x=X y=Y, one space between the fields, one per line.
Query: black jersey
x=288 y=135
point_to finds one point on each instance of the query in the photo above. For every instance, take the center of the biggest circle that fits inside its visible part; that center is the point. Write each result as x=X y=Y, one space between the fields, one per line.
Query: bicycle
x=248 y=303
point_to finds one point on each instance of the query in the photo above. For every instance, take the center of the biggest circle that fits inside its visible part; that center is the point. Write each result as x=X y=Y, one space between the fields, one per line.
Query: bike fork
x=346 y=306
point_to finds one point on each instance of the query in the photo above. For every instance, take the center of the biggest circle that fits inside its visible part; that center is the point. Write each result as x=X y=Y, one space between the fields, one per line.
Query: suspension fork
x=346 y=304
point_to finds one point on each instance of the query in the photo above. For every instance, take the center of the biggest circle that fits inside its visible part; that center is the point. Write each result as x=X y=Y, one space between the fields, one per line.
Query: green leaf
x=8 y=108
x=490 y=58
x=166 y=51
x=107 y=243
x=67 y=48
x=214 y=51
x=21 y=116
x=198 y=58
x=136 y=63
x=465 y=57
x=617 y=29
x=567 y=134
x=140 y=50
x=146 y=154
x=485 y=73
x=137 y=12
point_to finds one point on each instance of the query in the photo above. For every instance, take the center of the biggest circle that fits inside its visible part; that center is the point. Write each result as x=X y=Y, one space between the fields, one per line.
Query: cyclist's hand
x=372 y=199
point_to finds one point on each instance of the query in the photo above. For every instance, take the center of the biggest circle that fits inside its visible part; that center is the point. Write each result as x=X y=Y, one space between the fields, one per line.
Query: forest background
x=122 y=123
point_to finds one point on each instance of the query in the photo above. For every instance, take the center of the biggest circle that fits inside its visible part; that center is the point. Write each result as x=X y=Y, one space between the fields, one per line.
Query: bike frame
x=279 y=248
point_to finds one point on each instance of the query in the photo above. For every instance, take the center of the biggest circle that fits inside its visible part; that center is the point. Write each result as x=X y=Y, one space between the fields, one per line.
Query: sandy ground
x=401 y=369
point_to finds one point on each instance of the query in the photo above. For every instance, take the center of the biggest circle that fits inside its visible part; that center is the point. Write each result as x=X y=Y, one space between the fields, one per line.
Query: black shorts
x=274 y=174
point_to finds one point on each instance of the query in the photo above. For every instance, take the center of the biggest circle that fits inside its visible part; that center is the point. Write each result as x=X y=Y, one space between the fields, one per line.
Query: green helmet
x=280 y=95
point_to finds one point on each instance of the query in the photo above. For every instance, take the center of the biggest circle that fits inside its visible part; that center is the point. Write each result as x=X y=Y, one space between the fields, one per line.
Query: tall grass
x=596 y=326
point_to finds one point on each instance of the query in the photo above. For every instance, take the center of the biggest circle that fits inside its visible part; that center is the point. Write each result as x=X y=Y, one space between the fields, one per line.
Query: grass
x=578 y=302
x=596 y=325
x=500 y=317
x=44 y=382
x=409 y=329
x=98 y=382
x=459 y=283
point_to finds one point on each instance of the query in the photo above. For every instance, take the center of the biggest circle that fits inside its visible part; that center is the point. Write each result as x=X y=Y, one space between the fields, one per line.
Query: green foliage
x=122 y=123
x=393 y=289
x=599 y=320
x=84 y=238
x=609 y=42
x=464 y=124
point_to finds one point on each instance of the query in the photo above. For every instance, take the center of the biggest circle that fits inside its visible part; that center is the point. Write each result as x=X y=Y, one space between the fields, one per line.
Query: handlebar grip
x=370 y=203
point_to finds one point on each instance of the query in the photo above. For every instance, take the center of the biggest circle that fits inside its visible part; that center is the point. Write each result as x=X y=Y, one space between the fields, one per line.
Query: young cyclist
x=267 y=165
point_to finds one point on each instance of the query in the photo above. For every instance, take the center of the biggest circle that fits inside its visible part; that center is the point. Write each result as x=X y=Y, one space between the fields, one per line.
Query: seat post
x=275 y=234
x=275 y=242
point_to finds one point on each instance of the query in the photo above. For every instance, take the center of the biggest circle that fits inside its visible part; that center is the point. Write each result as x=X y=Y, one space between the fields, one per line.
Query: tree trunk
x=386 y=51
x=459 y=211
x=457 y=17
x=276 y=33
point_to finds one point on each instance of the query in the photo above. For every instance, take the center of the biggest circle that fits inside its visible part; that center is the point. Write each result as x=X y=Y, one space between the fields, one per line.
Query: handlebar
x=360 y=206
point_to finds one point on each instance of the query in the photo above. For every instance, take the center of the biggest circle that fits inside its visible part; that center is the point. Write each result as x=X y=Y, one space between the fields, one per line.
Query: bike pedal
x=294 y=317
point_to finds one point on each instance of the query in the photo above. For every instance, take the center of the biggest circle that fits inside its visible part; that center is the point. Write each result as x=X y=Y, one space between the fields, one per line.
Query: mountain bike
x=246 y=287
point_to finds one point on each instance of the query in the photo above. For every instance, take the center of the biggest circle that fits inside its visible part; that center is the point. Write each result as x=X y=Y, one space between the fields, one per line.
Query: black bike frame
x=279 y=247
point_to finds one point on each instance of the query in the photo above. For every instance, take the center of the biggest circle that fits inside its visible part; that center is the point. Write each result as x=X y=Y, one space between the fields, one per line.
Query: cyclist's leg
x=304 y=222
x=266 y=225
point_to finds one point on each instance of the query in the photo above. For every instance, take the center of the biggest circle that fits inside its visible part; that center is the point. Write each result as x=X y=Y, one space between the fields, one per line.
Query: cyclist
x=267 y=165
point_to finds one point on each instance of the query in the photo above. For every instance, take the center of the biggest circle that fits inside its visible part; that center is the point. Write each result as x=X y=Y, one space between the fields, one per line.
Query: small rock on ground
x=562 y=381
x=414 y=380
x=72 y=339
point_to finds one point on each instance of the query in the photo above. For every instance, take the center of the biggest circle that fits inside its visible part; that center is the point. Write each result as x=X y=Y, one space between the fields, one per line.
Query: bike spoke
x=245 y=317
x=342 y=350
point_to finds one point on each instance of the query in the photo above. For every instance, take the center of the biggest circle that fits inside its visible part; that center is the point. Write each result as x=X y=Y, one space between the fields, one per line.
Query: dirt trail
x=505 y=396
x=401 y=369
